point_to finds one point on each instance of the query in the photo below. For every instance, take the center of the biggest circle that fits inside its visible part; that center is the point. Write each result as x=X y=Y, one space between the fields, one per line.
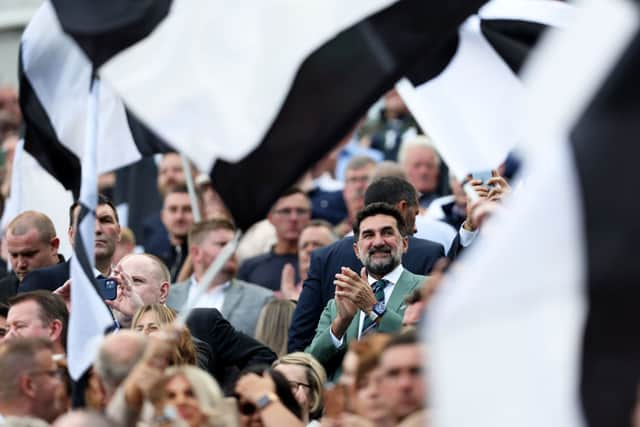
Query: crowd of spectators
x=314 y=320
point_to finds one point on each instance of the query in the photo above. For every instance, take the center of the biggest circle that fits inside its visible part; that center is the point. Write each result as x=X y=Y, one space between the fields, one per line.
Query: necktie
x=378 y=290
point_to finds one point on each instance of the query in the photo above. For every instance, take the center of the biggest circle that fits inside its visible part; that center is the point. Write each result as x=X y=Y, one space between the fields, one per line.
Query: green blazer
x=322 y=347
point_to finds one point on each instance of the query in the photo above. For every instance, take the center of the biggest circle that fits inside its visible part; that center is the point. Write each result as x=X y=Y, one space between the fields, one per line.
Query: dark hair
x=405 y=338
x=377 y=209
x=4 y=310
x=290 y=192
x=102 y=200
x=391 y=190
x=283 y=390
x=52 y=307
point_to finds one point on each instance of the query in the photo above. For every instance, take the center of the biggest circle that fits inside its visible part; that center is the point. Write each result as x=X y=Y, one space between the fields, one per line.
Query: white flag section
x=89 y=317
x=221 y=70
x=475 y=109
x=505 y=333
x=60 y=74
x=33 y=188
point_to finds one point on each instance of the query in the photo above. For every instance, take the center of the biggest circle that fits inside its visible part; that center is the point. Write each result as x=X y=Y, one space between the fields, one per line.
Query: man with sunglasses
x=30 y=381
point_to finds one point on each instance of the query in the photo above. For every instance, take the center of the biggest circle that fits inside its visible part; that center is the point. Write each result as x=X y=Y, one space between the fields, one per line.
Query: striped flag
x=474 y=109
x=256 y=92
x=537 y=326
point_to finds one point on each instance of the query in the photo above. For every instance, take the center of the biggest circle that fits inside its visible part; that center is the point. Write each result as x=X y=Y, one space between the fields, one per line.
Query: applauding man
x=373 y=299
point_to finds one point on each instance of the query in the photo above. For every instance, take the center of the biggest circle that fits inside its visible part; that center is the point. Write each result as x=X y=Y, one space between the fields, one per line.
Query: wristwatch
x=265 y=400
x=378 y=310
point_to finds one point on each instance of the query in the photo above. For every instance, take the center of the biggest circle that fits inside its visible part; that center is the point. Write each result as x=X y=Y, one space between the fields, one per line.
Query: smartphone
x=484 y=176
x=108 y=287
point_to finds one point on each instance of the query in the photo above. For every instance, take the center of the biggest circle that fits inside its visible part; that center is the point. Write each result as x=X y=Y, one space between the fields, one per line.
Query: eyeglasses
x=289 y=211
x=295 y=385
x=246 y=408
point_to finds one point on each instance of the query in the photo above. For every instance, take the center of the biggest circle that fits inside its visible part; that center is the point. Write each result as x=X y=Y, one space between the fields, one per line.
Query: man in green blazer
x=372 y=301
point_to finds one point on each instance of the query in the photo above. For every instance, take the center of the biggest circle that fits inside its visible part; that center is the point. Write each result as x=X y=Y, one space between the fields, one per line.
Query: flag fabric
x=89 y=317
x=537 y=325
x=55 y=77
x=256 y=93
x=474 y=109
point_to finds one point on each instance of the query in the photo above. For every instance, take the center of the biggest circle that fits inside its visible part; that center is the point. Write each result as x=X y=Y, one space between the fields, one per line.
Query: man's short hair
x=404 y=338
x=51 y=307
x=16 y=358
x=290 y=192
x=102 y=200
x=127 y=236
x=391 y=190
x=359 y=162
x=417 y=141
x=199 y=230
x=163 y=272
x=321 y=223
x=110 y=365
x=29 y=220
x=377 y=209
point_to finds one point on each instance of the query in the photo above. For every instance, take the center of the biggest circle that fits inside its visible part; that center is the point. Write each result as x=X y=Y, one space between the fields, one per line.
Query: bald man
x=32 y=243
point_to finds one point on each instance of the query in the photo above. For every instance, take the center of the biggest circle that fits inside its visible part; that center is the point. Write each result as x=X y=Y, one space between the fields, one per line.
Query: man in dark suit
x=32 y=243
x=318 y=289
x=106 y=237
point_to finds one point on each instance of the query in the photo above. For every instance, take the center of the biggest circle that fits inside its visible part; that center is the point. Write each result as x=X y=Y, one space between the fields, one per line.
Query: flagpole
x=188 y=177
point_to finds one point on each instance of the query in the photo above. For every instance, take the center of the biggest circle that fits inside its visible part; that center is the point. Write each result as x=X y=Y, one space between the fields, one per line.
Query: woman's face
x=179 y=393
x=148 y=323
x=296 y=375
x=369 y=399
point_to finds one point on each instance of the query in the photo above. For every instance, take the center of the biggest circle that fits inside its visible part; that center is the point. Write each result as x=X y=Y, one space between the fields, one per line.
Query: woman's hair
x=283 y=390
x=368 y=351
x=272 y=327
x=185 y=351
x=205 y=389
x=316 y=377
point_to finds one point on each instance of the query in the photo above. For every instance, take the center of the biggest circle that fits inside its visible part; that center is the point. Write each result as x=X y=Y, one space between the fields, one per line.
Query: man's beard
x=381 y=267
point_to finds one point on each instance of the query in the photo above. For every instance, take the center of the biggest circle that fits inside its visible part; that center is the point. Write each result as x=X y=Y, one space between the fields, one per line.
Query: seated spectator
x=30 y=381
x=306 y=377
x=149 y=319
x=317 y=234
x=273 y=325
x=265 y=399
x=289 y=215
x=39 y=314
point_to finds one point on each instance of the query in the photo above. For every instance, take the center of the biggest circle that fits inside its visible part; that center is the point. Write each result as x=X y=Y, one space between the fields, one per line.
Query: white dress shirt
x=213 y=298
x=393 y=278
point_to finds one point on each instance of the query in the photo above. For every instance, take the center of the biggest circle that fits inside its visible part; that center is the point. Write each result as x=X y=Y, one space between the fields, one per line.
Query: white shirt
x=393 y=278
x=435 y=231
x=467 y=237
x=213 y=298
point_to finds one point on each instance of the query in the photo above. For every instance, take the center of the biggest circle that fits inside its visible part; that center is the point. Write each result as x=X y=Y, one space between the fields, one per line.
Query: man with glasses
x=289 y=215
x=30 y=381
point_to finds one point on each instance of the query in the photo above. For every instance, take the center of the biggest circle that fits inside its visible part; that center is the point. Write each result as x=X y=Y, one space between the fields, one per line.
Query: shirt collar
x=222 y=287
x=393 y=276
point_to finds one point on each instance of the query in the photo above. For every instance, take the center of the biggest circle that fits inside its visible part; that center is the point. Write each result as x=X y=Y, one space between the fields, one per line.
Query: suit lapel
x=232 y=297
x=405 y=284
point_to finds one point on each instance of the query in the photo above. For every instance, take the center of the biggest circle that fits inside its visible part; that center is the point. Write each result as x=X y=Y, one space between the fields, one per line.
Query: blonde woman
x=306 y=377
x=272 y=327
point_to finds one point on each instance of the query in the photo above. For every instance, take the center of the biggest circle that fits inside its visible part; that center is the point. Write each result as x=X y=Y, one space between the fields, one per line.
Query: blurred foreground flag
x=538 y=324
x=255 y=92
x=54 y=91
x=474 y=110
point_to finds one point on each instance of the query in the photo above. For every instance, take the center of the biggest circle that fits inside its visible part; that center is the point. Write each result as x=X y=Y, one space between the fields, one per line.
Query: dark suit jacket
x=47 y=278
x=8 y=287
x=328 y=205
x=318 y=289
x=229 y=348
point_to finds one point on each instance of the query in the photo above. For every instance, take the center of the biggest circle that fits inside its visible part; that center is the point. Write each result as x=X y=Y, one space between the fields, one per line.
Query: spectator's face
x=369 y=396
x=28 y=252
x=355 y=184
x=180 y=395
x=311 y=238
x=148 y=324
x=402 y=380
x=9 y=102
x=147 y=281
x=289 y=216
x=296 y=375
x=107 y=232
x=380 y=245
x=170 y=173
x=206 y=252
x=349 y=367
x=24 y=320
x=177 y=215
x=47 y=386
x=422 y=169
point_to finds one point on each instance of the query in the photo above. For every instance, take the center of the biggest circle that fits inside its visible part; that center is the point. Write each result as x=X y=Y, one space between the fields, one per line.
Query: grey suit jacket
x=242 y=302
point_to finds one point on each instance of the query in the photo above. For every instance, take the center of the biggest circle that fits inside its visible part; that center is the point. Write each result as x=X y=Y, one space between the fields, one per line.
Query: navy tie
x=378 y=290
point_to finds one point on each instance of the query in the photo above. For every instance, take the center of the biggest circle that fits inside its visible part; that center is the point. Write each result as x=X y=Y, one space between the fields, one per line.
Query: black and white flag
x=538 y=325
x=474 y=109
x=257 y=92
